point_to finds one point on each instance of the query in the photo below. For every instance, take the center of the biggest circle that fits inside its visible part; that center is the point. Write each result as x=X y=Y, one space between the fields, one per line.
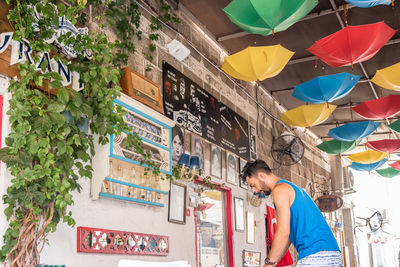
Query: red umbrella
x=379 y=109
x=352 y=44
x=385 y=145
x=395 y=165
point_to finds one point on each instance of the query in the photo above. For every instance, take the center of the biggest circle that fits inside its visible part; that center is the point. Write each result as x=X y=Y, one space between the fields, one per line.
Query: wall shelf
x=136 y=186
x=101 y=194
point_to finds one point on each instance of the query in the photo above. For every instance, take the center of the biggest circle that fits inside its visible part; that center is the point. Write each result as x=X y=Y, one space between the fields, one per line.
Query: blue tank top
x=309 y=232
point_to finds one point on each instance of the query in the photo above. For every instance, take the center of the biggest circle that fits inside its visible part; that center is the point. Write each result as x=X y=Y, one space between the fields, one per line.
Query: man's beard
x=264 y=189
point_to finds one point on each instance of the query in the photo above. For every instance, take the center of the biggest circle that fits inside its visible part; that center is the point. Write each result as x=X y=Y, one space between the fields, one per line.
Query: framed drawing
x=231 y=168
x=197 y=149
x=253 y=143
x=216 y=161
x=142 y=89
x=242 y=184
x=250 y=228
x=177 y=203
x=239 y=214
x=251 y=258
x=178 y=142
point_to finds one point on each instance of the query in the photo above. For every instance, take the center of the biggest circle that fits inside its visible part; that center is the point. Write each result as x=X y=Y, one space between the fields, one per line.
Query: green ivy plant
x=46 y=153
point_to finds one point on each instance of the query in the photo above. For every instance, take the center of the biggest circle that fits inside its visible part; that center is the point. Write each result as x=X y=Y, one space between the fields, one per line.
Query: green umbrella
x=267 y=16
x=395 y=126
x=337 y=147
x=388 y=172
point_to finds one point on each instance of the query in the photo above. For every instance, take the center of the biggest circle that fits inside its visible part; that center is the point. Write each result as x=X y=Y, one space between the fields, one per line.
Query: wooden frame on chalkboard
x=142 y=89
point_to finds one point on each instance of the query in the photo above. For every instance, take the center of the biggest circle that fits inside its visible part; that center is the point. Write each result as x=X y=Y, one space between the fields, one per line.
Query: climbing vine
x=46 y=151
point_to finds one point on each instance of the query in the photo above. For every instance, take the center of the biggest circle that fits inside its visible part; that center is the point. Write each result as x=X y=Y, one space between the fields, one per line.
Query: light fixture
x=178 y=50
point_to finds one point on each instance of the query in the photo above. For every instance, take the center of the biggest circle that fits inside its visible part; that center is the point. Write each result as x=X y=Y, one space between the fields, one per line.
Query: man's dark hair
x=252 y=167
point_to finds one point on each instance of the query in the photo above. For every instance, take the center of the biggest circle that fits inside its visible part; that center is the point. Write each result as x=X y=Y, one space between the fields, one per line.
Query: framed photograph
x=177 y=203
x=253 y=143
x=251 y=258
x=231 y=168
x=216 y=161
x=178 y=142
x=242 y=184
x=239 y=214
x=142 y=89
x=250 y=228
x=198 y=149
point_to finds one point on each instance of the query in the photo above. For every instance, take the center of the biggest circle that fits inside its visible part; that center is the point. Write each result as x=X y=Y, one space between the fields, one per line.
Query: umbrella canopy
x=368 y=167
x=257 y=63
x=395 y=126
x=395 y=165
x=369 y=156
x=265 y=17
x=353 y=131
x=352 y=44
x=388 y=172
x=385 y=145
x=379 y=109
x=308 y=115
x=337 y=147
x=388 y=78
x=326 y=88
x=368 y=3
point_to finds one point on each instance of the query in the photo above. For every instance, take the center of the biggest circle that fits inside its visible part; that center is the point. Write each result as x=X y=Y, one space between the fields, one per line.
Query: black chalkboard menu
x=199 y=112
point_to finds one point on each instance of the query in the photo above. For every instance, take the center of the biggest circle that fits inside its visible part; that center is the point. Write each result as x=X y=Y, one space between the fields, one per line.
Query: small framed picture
x=250 y=228
x=216 y=161
x=231 y=168
x=242 y=184
x=253 y=143
x=178 y=143
x=251 y=258
x=198 y=149
x=177 y=203
x=239 y=214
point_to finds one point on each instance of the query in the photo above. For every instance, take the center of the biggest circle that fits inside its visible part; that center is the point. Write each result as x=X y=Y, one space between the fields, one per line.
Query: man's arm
x=281 y=242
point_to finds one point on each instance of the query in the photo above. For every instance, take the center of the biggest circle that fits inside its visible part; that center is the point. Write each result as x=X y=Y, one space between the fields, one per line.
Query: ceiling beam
x=308 y=17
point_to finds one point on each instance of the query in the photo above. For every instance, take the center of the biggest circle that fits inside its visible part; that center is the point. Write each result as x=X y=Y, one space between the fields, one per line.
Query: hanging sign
x=329 y=203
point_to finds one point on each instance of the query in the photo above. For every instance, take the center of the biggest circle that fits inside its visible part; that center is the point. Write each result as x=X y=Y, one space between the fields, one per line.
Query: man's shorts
x=322 y=259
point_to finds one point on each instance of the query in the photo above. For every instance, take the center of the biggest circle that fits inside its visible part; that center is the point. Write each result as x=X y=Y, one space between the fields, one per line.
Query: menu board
x=199 y=112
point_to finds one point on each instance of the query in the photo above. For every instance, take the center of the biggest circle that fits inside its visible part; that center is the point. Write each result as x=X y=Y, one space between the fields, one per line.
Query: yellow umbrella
x=388 y=78
x=257 y=63
x=369 y=156
x=308 y=115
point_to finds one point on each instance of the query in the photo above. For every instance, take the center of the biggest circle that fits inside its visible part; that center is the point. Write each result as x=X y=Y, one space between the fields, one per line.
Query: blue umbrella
x=326 y=88
x=353 y=131
x=369 y=3
x=368 y=167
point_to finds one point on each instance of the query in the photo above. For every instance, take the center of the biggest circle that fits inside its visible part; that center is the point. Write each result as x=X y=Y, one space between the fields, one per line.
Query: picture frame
x=177 y=142
x=251 y=258
x=142 y=89
x=197 y=149
x=239 y=214
x=250 y=228
x=231 y=168
x=177 y=203
x=252 y=142
x=216 y=161
x=242 y=184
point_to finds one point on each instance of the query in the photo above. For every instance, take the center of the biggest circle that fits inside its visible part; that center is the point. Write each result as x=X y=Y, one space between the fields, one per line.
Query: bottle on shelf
x=158 y=196
x=142 y=192
x=133 y=191
x=148 y=184
x=120 y=187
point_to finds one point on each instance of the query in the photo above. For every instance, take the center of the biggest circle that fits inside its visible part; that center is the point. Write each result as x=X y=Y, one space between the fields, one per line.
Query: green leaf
x=57 y=118
x=56 y=107
x=42 y=124
x=62 y=95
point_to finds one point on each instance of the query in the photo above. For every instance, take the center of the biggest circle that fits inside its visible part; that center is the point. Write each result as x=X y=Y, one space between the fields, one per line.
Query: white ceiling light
x=178 y=50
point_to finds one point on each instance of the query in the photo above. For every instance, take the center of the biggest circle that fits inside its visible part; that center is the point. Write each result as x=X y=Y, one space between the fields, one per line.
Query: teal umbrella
x=395 y=126
x=388 y=172
x=267 y=16
x=337 y=147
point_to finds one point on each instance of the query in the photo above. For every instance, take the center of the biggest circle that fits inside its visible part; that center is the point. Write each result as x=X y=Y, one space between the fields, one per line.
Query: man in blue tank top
x=299 y=220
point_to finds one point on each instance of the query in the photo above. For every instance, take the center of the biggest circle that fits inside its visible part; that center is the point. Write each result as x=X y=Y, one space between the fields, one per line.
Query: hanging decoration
x=257 y=63
x=368 y=167
x=388 y=78
x=337 y=147
x=326 y=88
x=308 y=115
x=369 y=3
x=267 y=17
x=388 y=172
x=354 y=131
x=352 y=44
x=385 y=145
x=395 y=126
x=395 y=165
x=369 y=156
x=379 y=109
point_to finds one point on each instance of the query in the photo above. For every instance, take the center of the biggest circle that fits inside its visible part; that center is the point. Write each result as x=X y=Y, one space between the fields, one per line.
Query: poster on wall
x=196 y=110
x=253 y=143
